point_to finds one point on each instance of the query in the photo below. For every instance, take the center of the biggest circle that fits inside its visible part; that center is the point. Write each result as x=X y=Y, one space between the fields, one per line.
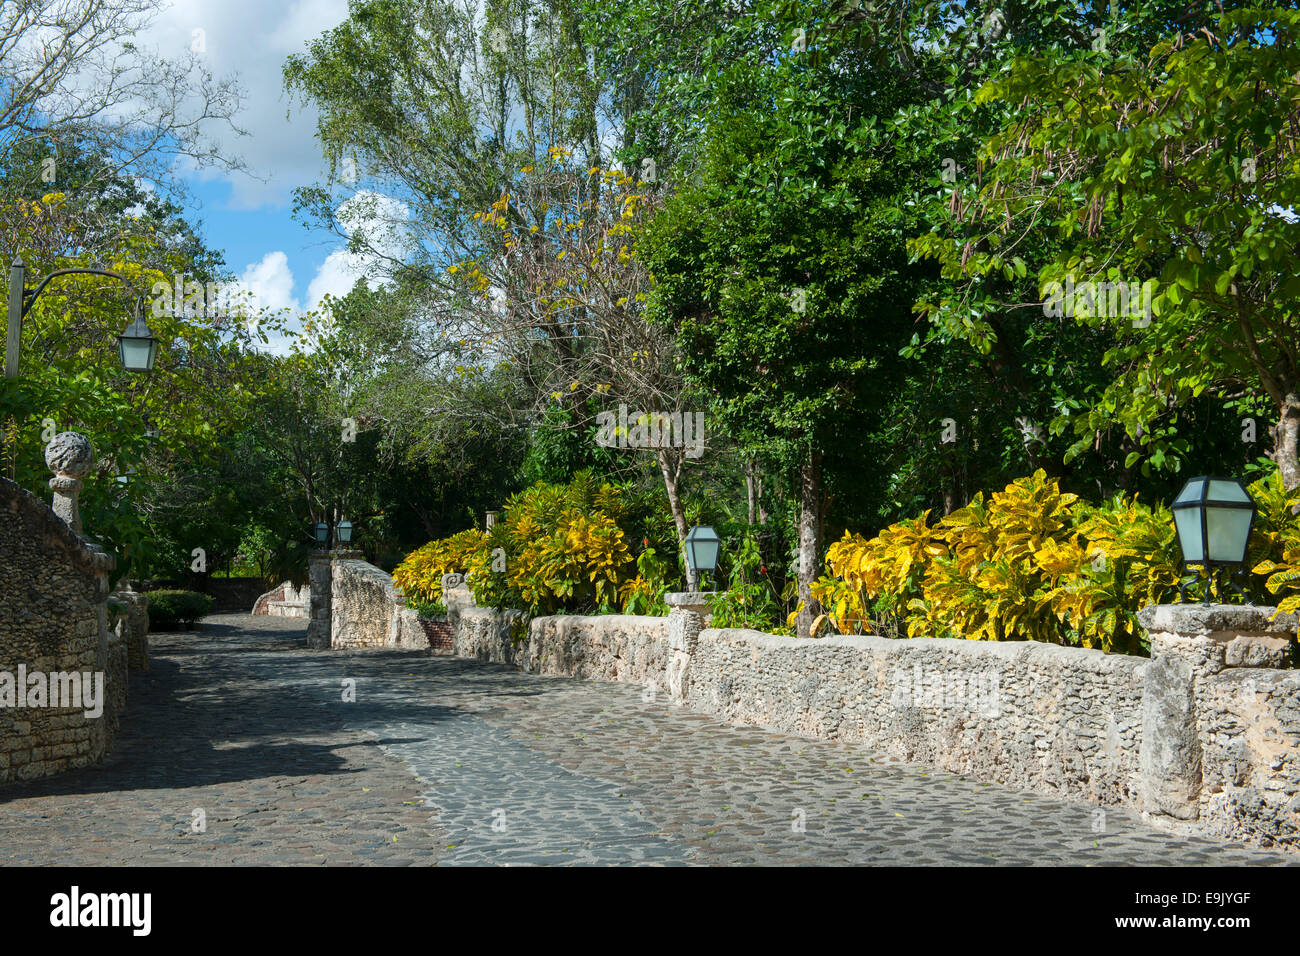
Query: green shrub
x=556 y=548
x=427 y=608
x=750 y=600
x=169 y=609
x=1034 y=563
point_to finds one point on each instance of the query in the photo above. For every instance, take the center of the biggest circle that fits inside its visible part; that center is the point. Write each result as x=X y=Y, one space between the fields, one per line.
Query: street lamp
x=702 y=545
x=1213 y=517
x=344 y=531
x=322 y=535
x=136 y=346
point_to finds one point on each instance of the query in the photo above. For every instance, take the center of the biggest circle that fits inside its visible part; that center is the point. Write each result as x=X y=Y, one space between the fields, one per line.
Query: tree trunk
x=1286 y=442
x=670 y=464
x=810 y=501
x=751 y=490
x=948 y=477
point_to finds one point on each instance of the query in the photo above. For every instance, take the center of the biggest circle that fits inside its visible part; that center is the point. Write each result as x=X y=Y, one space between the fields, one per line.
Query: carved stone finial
x=71 y=457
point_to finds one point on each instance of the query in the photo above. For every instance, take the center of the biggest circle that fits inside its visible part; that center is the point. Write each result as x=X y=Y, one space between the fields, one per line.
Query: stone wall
x=354 y=604
x=363 y=603
x=284 y=600
x=1204 y=736
x=1028 y=715
x=132 y=626
x=1221 y=721
x=53 y=619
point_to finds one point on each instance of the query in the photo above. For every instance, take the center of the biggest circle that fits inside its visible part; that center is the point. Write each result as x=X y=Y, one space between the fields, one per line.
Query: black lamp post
x=1213 y=517
x=322 y=535
x=137 y=346
x=702 y=546
x=344 y=531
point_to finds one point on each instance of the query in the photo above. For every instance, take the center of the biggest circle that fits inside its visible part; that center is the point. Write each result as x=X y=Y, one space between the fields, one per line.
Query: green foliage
x=644 y=594
x=1033 y=563
x=427 y=608
x=419 y=577
x=561 y=546
x=1169 y=165
x=170 y=609
x=749 y=599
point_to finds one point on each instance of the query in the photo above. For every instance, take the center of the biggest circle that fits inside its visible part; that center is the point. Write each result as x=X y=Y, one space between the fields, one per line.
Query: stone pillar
x=319 y=575
x=1190 y=643
x=688 y=615
x=71 y=457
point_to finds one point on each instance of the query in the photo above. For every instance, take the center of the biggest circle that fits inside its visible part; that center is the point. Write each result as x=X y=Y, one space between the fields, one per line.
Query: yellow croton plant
x=1034 y=563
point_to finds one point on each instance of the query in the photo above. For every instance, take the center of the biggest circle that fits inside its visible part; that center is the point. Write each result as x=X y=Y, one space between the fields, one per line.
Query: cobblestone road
x=449 y=762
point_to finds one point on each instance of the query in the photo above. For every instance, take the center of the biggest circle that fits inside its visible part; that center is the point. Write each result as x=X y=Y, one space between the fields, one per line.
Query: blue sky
x=249 y=217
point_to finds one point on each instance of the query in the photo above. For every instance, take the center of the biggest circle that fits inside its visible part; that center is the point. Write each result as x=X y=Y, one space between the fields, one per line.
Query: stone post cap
x=70 y=455
x=686 y=599
x=1204 y=619
x=347 y=554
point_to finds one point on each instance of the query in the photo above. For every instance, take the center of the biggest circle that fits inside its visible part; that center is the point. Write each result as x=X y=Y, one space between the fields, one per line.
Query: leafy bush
x=1276 y=542
x=427 y=608
x=556 y=547
x=170 y=609
x=419 y=577
x=644 y=594
x=1035 y=563
x=750 y=600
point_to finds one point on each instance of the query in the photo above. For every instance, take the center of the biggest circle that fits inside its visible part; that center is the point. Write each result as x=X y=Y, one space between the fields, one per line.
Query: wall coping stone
x=1208 y=619
x=1011 y=652
x=688 y=599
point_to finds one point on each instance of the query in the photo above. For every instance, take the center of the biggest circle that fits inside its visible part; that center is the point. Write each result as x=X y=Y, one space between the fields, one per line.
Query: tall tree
x=784 y=266
x=1169 y=173
x=75 y=81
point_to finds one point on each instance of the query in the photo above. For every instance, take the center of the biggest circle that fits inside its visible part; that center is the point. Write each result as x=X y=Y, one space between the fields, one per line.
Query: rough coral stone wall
x=1222 y=721
x=1250 y=761
x=363 y=605
x=275 y=594
x=133 y=627
x=482 y=634
x=1024 y=714
x=613 y=647
x=53 y=618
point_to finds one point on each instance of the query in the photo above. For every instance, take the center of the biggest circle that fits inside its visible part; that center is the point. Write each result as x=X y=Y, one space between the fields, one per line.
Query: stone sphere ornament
x=70 y=454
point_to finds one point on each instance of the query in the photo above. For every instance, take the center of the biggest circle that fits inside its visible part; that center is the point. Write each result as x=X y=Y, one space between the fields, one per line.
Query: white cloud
x=382 y=221
x=252 y=38
x=270 y=283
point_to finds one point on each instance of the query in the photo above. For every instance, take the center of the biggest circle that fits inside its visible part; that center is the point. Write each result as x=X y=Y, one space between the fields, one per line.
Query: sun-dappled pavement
x=239 y=747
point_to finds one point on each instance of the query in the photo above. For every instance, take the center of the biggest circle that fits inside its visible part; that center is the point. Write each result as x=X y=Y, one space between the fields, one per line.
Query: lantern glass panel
x=1188 y=522
x=1227 y=491
x=702 y=544
x=706 y=555
x=1191 y=491
x=137 y=354
x=1228 y=530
